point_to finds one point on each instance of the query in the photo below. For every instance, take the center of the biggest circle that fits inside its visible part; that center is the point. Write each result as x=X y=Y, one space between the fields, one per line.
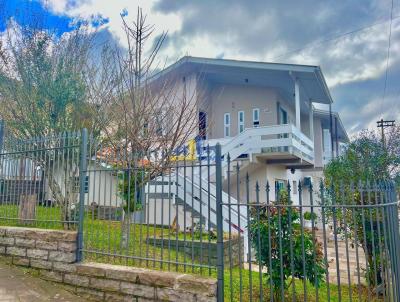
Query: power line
x=337 y=37
x=387 y=57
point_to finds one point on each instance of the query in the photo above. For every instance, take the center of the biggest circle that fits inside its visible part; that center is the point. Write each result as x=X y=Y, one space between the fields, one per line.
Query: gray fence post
x=1 y=134
x=220 y=229
x=82 y=176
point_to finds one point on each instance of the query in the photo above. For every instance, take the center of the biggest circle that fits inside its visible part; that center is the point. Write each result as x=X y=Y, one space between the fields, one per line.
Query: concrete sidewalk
x=18 y=286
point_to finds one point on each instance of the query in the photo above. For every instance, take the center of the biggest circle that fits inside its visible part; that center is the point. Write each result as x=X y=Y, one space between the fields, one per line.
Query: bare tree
x=151 y=114
x=43 y=93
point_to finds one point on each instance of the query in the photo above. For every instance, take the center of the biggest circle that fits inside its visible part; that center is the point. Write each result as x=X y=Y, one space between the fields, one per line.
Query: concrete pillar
x=311 y=112
x=297 y=100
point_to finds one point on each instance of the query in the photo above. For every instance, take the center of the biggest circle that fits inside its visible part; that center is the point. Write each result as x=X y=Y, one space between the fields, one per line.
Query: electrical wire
x=337 y=37
x=387 y=57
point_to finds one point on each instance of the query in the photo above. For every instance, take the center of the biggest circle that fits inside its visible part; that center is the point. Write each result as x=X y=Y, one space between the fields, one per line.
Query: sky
x=348 y=38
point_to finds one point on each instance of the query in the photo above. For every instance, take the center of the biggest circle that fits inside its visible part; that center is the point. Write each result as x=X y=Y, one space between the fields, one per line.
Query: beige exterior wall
x=232 y=99
x=261 y=173
x=219 y=99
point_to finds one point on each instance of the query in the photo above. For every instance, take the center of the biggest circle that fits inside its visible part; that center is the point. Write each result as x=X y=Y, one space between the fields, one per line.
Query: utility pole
x=384 y=124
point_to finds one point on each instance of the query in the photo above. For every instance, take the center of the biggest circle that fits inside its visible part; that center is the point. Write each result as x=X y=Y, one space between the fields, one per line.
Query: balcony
x=283 y=144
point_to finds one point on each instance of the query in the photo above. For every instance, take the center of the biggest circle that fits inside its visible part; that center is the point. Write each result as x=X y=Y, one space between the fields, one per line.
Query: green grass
x=103 y=239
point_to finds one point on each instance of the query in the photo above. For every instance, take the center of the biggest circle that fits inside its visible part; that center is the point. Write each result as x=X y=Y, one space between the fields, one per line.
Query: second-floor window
x=240 y=121
x=227 y=124
x=256 y=117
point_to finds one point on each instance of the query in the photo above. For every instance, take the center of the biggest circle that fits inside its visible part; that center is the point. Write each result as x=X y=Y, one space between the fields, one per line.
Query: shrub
x=310 y=216
x=278 y=239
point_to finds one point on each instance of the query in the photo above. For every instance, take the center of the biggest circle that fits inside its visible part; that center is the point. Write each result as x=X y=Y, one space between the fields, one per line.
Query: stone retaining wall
x=53 y=254
x=205 y=252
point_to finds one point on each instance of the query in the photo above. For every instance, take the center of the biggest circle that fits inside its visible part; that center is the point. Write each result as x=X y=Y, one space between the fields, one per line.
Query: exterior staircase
x=195 y=193
x=351 y=260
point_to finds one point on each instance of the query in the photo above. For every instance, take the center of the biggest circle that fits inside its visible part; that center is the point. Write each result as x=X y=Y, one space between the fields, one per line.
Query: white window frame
x=256 y=122
x=240 y=123
x=227 y=124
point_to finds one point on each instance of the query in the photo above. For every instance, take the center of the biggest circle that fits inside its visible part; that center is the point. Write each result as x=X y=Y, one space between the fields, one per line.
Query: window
x=294 y=187
x=77 y=184
x=227 y=124
x=159 y=124
x=202 y=125
x=240 y=121
x=256 y=117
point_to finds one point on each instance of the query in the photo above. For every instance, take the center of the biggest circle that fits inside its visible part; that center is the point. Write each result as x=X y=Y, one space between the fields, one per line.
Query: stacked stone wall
x=53 y=254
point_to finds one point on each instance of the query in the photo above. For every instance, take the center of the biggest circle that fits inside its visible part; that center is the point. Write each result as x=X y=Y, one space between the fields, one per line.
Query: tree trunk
x=27 y=209
x=125 y=230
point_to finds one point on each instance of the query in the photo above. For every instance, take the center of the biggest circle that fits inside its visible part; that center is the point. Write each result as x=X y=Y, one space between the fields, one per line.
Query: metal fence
x=291 y=240
x=39 y=181
x=313 y=242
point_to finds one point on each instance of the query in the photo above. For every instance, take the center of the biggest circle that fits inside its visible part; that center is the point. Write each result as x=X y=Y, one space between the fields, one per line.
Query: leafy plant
x=278 y=240
x=310 y=216
x=355 y=178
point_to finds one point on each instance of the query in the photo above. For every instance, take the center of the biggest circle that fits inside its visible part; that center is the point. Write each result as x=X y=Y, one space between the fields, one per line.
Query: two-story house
x=264 y=116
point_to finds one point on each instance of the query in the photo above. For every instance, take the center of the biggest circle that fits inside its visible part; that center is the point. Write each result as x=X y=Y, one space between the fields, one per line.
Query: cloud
x=354 y=64
x=112 y=12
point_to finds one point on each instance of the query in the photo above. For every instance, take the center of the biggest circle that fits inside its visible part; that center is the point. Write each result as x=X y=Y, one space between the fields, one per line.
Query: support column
x=297 y=100
x=311 y=112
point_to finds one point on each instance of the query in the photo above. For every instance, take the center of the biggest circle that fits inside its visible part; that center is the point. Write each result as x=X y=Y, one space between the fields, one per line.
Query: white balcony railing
x=269 y=139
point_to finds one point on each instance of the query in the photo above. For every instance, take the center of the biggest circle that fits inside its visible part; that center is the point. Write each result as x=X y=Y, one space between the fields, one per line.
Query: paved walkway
x=17 y=286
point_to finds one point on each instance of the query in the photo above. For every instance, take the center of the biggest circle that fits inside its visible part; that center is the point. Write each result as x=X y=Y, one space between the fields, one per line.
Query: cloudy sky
x=347 y=38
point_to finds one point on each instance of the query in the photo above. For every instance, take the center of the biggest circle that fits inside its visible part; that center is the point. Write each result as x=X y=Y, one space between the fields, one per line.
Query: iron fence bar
x=360 y=188
x=303 y=257
x=390 y=195
x=314 y=246
x=82 y=176
x=220 y=235
x=322 y=194
x=280 y=235
x=344 y=217
x=335 y=232
x=249 y=260
x=230 y=226
x=259 y=243
x=385 y=249
x=289 y=192
x=267 y=192
x=239 y=235
x=39 y=150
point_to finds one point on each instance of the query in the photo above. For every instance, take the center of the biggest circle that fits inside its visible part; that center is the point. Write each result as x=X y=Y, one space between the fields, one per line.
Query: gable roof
x=279 y=75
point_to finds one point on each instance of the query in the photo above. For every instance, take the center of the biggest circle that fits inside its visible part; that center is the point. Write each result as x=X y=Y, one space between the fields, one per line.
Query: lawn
x=103 y=244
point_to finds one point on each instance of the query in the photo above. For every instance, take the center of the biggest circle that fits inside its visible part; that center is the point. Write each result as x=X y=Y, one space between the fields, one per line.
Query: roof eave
x=324 y=86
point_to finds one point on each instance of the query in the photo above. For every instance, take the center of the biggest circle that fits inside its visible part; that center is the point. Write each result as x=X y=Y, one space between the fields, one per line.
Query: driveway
x=17 y=285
